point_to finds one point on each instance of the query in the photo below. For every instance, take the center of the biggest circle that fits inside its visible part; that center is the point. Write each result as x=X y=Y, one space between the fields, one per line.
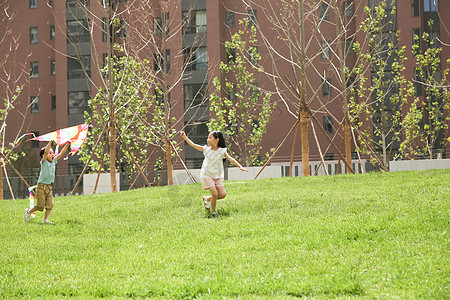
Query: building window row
x=34 y=69
x=194 y=21
x=78 y=102
x=34 y=39
x=34 y=104
x=195 y=59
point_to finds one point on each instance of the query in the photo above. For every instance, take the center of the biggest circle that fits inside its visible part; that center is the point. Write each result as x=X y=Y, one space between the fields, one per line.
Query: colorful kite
x=32 y=200
x=75 y=135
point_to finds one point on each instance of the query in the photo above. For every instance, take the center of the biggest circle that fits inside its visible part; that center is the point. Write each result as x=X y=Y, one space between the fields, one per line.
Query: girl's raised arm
x=193 y=145
x=63 y=151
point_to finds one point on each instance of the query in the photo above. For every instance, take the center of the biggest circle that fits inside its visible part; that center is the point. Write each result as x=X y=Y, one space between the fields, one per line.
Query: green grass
x=372 y=236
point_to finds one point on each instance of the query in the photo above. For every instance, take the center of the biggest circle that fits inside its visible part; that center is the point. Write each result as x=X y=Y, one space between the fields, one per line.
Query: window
x=349 y=46
x=161 y=23
x=194 y=21
x=53 y=102
x=161 y=62
x=33 y=4
x=324 y=12
x=430 y=5
x=104 y=30
x=418 y=90
x=52 y=32
x=252 y=17
x=231 y=92
x=51 y=2
x=198 y=133
x=348 y=9
x=415 y=8
x=34 y=103
x=77 y=3
x=52 y=67
x=78 y=102
x=328 y=124
x=104 y=59
x=433 y=40
x=194 y=94
x=33 y=35
x=195 y=59
x=159 y=95
x=34 y=73
x=121 y=30
x=416 y=40
x=77 y=31
x=157 y=26
x=231 y=55
x=78 y=68
x=326 y=88
x=35 y=144
x=229 y=19
x=325 y=53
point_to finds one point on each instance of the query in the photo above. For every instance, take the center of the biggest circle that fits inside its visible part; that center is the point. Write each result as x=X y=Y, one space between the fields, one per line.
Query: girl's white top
x=212 y=166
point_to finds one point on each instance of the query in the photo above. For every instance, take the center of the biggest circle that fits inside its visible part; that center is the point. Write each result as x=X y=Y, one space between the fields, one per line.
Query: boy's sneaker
x=206 y=203
x=27 y=215
x=48 y=222
x=213 y=215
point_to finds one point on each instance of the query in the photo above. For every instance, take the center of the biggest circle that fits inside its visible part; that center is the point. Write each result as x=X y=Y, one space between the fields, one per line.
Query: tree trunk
x=169 y=162
x=348 y=144
x=112 y=154
x=304 y=119
x=292 y=151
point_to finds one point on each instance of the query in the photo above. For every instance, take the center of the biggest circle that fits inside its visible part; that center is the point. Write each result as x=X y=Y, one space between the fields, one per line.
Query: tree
x=378 y=103
x=290 y=62
x=128 y=34
x=428 y=119
x=14 y=80
x=246 y=110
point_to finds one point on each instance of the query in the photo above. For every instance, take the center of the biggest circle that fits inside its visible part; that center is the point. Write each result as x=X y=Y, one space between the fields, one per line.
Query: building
x=64 y=43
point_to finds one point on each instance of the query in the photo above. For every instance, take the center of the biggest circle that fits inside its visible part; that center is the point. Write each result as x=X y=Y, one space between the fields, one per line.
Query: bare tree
x=15 y=77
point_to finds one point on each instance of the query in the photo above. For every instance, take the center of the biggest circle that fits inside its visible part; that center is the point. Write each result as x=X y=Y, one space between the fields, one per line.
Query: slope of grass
x=349 y=236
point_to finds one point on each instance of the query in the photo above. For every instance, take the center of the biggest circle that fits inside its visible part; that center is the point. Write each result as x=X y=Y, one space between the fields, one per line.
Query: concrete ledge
x=419 y=165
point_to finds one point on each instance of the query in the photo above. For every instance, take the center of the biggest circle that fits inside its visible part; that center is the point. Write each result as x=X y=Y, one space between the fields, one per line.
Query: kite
x=32 y=199
x=75 y=135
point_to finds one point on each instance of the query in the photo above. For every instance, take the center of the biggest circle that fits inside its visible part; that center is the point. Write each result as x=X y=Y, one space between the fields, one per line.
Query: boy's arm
x=63 y=151
x=235 y=162
x=191 y=143
x=47 y=150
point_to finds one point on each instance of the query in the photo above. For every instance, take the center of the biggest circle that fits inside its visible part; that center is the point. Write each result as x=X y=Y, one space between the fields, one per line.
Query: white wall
x=104 y=183
x=419 y=165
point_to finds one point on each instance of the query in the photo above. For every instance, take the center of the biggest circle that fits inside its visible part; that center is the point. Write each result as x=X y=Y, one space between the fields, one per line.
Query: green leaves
x=243 y=114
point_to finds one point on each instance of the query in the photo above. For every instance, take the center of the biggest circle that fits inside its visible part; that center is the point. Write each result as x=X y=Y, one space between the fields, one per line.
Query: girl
x=44 y=190
x=212 y=168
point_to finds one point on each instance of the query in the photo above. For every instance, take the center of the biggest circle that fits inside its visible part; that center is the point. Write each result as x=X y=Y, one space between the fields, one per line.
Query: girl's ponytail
x=219 y=135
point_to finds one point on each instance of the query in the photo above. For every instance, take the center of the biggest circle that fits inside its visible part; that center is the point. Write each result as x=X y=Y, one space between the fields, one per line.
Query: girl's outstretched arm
x=63 y=151
x=193 y=145
x=47 y=150
x=234 y=162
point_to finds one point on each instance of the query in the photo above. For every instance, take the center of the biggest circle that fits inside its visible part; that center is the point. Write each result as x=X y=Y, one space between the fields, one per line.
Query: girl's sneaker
x=206 y=203
x=213 y=215
x=26 y=215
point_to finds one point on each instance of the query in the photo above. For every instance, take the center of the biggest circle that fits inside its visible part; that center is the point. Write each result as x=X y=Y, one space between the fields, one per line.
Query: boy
x=44 y=190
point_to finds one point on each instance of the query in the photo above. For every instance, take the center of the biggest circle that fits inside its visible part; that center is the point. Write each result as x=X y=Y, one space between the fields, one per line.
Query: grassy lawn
x=377 y=235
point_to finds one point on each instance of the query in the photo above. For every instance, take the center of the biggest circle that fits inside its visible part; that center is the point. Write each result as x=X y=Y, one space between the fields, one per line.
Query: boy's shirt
x=47 y=174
